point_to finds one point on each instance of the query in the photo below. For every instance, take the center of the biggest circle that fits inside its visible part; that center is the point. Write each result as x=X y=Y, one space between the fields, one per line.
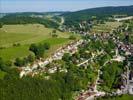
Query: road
x=62 y=20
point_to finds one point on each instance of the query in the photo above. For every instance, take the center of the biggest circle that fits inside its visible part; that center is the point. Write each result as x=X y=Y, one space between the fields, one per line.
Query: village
x=120 y=53
x=126 y=87
x=72 y=48
x=66 y=50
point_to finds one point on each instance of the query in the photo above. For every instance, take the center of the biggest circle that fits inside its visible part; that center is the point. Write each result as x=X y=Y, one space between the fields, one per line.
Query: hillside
x=24 y=35
x=34 y=13
x=98 y=13
x=25 y=19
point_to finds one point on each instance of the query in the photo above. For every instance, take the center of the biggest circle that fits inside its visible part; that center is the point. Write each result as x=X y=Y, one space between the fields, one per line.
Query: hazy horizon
x=10 y=6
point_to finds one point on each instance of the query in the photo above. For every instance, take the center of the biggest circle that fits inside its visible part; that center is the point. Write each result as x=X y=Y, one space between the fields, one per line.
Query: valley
x=81 y=55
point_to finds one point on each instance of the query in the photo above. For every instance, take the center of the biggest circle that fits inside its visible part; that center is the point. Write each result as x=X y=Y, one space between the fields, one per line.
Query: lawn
x=25 y=35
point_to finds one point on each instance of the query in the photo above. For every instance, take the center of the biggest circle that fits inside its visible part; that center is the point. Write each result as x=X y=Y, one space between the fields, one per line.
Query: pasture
x=25 y=35
x=11 y=53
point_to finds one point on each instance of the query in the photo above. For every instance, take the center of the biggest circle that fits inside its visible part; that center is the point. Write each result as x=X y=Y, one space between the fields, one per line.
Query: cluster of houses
x=71 y=48
x=130 y=84
x=81 y=28
x=128 y=88
x=128 y=76
x=39 y=66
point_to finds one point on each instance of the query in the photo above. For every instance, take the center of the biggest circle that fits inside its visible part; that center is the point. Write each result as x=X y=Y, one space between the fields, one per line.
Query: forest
x=102 y=13
x=23 y=19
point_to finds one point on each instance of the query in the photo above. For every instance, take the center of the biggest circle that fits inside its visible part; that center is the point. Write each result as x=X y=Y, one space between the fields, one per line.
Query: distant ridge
x=100 y=12
x=109 y=9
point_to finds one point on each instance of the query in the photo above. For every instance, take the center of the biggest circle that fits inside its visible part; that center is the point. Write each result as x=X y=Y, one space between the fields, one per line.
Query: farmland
x=23 y=50
x=24 y=35
x=106 y=27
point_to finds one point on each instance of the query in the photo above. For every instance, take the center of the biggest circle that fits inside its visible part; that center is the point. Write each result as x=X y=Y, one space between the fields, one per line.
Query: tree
x=17 y=19
x=31 y=58
x=72 y=37
x=1 y=25
x=33 y=48
x=111 y=74
x=19 y=62
x=46 y=46
x=25 y=61
x=54 y=31
x=2 y=64
x=66 y=57
x=38 y=50
x=54 y=35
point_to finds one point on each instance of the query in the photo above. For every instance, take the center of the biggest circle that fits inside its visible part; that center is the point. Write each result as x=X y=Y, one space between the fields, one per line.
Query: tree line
x=16 y=19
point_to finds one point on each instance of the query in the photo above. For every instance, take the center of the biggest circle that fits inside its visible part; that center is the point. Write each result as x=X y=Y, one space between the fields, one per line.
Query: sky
x=57 y=5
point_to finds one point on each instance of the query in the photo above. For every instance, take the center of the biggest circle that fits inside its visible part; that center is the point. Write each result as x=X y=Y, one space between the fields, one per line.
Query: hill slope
x=20 y=19
x=99 y=13
x=26 y=35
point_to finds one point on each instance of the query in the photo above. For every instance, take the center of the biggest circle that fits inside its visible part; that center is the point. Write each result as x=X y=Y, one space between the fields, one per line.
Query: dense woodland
x=19 y=19
x=102 y=13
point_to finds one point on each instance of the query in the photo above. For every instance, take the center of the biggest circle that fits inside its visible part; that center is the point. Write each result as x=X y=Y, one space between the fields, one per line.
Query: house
x=130 y=86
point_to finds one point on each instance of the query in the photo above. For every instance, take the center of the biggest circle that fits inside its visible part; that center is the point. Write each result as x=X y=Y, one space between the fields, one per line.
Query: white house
x=130 y=89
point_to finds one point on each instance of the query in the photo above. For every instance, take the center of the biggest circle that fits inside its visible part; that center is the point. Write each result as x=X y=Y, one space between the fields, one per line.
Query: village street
x=70 y=48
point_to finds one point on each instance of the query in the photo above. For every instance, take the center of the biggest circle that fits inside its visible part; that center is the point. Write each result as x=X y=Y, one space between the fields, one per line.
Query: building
x=130 y=86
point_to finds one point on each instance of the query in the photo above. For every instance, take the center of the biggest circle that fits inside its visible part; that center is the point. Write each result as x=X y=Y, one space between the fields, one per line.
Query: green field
x=2 y=74
x=11 y=53
x=107 y=27
x=25 y=35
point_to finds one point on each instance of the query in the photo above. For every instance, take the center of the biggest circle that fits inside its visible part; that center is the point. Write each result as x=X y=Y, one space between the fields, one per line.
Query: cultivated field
x=25 y=35
x=107 y=27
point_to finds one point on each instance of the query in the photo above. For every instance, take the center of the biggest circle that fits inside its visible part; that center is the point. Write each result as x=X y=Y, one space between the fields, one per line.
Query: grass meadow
x=25 y=35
